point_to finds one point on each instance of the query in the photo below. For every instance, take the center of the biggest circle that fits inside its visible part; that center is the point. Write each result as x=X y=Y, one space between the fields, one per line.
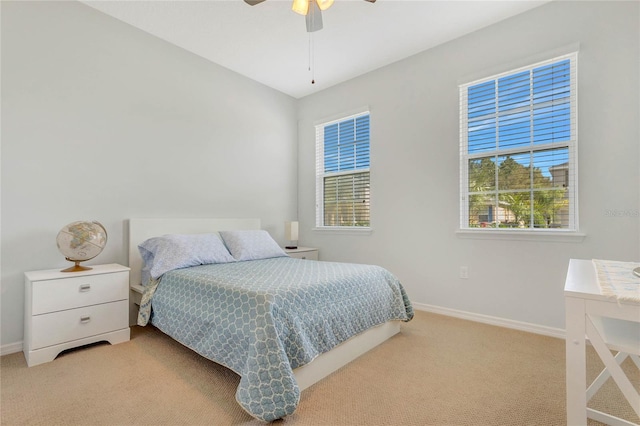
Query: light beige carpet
x=438 y=371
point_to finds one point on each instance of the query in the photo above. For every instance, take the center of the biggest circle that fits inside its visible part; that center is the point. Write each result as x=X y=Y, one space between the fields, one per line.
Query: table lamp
x=291 y=234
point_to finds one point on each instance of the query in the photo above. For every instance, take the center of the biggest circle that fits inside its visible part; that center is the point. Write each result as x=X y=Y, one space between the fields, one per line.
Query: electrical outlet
x=464 y=272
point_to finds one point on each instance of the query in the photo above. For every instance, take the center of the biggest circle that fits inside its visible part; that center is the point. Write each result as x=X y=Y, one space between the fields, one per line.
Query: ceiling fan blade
x=254 y=2
x=370 y=1
x=314 y=17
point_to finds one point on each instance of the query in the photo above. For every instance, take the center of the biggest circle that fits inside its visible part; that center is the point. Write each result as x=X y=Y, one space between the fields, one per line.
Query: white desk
x=608 y=324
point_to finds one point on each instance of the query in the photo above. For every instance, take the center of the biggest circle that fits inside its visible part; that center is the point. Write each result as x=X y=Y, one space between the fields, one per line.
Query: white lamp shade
x=324 y=4
x=291 y=231
x=300 y=6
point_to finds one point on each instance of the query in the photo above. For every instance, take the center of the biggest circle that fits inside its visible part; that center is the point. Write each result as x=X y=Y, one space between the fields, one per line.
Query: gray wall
x=415 y=168
x=102 y=121
x=165 y=133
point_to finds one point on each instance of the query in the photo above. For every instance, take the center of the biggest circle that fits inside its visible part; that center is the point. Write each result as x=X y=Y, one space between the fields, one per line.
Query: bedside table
x=64 y=310
x=303 y=253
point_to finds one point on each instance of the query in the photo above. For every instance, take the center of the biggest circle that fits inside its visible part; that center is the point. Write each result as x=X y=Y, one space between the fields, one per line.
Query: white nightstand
x=303 y=253
x=64 y=310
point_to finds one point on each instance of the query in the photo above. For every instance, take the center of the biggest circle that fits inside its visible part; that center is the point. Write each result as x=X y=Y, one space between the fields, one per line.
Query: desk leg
x=576 y=362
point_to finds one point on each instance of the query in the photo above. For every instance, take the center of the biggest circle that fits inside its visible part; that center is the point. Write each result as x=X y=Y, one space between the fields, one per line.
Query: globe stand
x=77 y=267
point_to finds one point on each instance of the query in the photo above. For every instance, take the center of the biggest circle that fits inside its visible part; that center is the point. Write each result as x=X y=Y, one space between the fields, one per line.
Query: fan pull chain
x=311 y=58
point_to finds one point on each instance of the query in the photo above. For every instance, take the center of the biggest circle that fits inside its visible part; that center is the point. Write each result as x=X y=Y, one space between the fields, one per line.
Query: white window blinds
x=342 y=172
x=518 y=139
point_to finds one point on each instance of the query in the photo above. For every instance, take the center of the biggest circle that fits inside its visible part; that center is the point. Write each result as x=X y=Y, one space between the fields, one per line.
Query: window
x=342 y=172
x=518 y=140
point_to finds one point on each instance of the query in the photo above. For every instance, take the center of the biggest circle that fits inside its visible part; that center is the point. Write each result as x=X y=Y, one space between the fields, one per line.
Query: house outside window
x=343 y=173
x=518 y=141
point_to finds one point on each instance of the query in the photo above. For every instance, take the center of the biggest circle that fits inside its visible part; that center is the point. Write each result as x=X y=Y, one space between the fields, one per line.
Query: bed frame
x=307 y=375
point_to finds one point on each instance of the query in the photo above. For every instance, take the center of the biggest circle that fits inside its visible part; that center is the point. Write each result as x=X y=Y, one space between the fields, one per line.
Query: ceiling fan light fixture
x=300 y=6
x=314 y=17
x=324 y=4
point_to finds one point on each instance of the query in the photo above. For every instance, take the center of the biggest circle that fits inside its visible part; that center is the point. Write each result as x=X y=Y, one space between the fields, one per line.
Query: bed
x=281 y=323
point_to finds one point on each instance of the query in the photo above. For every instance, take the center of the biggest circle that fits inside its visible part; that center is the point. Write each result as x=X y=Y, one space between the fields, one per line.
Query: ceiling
x=269 y=43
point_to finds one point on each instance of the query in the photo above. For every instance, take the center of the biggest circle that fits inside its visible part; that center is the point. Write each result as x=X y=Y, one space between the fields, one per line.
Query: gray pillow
x=251 y=245
x=174 y=251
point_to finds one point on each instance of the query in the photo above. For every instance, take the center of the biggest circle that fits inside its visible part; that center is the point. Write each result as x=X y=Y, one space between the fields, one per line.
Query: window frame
x=531 y=232
x=321 y=174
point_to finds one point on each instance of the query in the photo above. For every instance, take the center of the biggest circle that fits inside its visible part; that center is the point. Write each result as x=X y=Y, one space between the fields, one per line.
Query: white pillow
x=251 y=245
x=174 y=251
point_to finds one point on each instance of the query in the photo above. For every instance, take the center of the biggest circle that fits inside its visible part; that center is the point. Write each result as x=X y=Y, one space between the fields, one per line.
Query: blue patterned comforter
x=263 y=318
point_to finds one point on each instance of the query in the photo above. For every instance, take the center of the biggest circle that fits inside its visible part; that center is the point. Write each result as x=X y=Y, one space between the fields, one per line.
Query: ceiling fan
x=311 y=9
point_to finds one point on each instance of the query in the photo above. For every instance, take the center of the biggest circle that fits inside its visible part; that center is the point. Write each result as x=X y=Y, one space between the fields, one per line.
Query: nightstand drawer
x=74 y=292
x=309 y=255
x=65 y=326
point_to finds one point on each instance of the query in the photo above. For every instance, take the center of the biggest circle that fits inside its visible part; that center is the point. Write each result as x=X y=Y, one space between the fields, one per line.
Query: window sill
x=355 y=230
x=524 y=235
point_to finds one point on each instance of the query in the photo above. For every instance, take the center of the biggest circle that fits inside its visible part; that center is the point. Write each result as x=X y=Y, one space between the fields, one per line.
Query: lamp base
x=291 y=247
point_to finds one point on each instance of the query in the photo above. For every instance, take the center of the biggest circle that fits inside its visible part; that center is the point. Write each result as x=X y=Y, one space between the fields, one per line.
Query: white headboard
x=143 y=229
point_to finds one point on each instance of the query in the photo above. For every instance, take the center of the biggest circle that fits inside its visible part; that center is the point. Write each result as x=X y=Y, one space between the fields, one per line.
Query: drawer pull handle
x=85 y=287
x=84 y=320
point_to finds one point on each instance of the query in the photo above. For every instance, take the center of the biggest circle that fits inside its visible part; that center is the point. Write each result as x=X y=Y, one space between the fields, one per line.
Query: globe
x=81 y=241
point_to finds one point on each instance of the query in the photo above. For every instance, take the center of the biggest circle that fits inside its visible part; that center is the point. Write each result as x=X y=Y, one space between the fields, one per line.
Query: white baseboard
x=487 y=319
x=11 y=348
